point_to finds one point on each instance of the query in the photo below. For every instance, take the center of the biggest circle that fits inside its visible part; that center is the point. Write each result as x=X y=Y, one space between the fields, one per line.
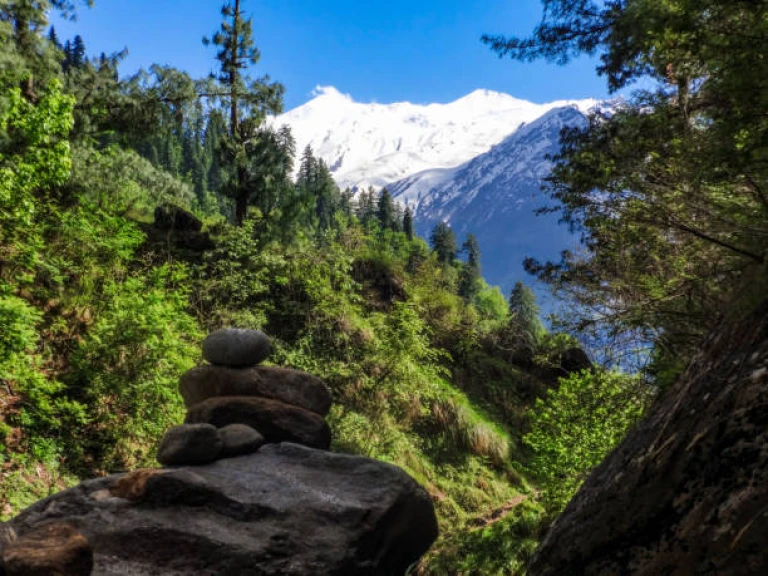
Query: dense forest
x=138 y=213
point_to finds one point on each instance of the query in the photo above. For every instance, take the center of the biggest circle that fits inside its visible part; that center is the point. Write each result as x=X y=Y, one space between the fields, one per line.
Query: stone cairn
x=234 y=406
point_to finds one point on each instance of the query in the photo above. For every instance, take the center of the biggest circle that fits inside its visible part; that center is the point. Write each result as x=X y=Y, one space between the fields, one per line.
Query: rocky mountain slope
x=495 y=196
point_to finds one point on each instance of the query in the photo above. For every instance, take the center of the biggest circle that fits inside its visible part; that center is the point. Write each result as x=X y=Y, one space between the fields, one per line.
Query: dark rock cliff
x=687 y=491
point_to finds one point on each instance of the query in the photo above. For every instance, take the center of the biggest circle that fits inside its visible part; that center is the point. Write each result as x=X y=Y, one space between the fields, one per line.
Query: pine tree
x=53 y=38
x=326 y=194
x=215 y=130
x=78 y=52
x=306 y=169
x=386 y=211
x=408 y=223
x=248 y=101
x=524 y=311
x=346 y=202
x=443 y=242
x=366 y=208
x=470 y=272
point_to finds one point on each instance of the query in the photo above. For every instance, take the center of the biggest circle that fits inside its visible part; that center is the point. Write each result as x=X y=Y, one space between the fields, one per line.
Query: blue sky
x=378 y=51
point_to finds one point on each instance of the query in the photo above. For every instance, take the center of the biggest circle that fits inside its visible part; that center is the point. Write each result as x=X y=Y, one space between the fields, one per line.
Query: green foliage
x=499 y=546
x=577 y=425
x=126 y=369
x=124 y=182
x=34 y=159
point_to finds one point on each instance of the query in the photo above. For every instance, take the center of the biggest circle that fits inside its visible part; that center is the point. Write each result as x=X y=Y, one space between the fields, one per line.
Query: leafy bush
x=577 y=425
x=127 y=368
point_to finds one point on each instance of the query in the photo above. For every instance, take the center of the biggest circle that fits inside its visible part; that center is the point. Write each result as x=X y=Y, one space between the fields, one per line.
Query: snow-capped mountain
x=378 y=144
x=477 y=163
x=495 y=196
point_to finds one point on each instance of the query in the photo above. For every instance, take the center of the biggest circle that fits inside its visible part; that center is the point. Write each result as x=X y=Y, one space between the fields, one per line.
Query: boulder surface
x=289 y=386
x=277 y=421
x=687 y=490
x=286 y=509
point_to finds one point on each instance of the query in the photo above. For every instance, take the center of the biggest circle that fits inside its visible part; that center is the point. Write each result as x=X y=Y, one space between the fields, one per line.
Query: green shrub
x=577 y=425
x=127 y=368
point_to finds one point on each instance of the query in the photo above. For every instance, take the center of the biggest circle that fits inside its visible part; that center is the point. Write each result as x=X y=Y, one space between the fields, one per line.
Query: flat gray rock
x=277 y=421
x=236 y=347
x=284 y=384
x=190 y=444
x=286 y=510
x=239 y=439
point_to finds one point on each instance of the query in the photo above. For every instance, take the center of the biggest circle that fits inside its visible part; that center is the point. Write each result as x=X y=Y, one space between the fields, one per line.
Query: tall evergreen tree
x=215 y=131
x=307 y=168
x=248 y=101
x=525 y=315
x=346 y=202
x=443 y=243
x=78 y=52
x=408 y=223
x=386 y=211
x=470 y=271
x=366 y=206
x=54 y=38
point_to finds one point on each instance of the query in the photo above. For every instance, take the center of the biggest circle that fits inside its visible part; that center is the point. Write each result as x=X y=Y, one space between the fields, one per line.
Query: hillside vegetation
x=139 y=213
x=108 y=283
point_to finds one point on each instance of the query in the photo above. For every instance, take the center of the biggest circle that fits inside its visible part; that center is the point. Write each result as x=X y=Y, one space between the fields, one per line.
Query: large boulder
x=236 y=347
x=285 y=510
x=289 y=386
x=687 y=490
x=169 y=217
x=277 y=421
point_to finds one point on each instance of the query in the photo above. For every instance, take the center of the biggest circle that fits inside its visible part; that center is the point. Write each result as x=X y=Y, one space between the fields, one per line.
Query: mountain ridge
x=378 y=144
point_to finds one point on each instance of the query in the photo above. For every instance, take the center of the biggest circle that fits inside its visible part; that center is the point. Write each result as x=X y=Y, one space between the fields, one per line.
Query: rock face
x=236 y=348
x=687 y=491
x=287 y=510
x=277 y=421
x=289 y=386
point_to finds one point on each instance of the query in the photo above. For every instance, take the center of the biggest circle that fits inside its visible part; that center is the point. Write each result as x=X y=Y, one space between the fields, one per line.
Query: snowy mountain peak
x=376 y=144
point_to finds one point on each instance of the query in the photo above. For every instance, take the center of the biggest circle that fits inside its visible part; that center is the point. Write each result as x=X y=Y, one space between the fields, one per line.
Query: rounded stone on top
x=236 y=347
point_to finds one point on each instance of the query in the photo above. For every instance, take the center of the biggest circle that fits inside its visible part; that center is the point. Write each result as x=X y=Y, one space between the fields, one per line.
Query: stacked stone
x=234 y=405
